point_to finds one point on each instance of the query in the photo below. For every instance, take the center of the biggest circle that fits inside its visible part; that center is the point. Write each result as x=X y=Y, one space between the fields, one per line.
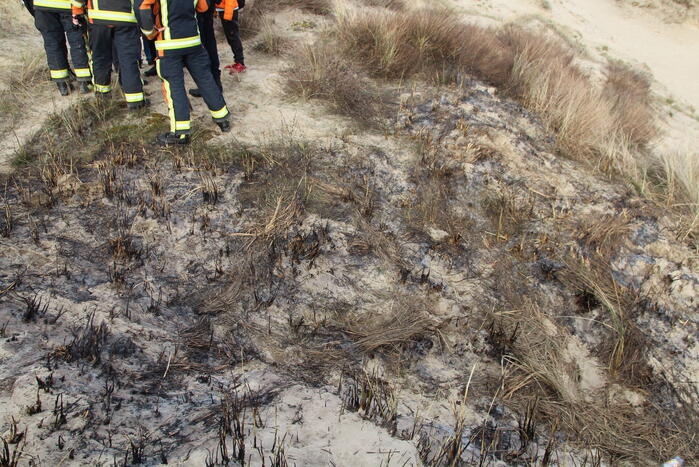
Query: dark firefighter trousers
x=208 y=40
x=231 y=29
x=125 y=43
x=171 y=70
x=55 y=28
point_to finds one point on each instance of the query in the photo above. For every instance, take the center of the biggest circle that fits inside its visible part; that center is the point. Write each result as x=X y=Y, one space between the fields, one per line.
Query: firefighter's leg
x=171 y=71
x=78 y=50
x=208 y=40
x=101 y=46
x=127 y=40
x=49 y=25
x=197 y=62
x=232 y=31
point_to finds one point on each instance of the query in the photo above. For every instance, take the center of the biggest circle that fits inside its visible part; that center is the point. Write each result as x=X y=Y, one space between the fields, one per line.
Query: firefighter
x=229 y=11
x=57 y=20
x=174 y=26
x=114 y=31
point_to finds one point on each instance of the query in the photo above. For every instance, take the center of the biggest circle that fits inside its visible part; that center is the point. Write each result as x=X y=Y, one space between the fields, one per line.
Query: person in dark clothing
x=173 y=23
x=58 y=20
x=205 y=20
x=229 y=10
x=151 y=55
x=224 y=9
x=115 y=38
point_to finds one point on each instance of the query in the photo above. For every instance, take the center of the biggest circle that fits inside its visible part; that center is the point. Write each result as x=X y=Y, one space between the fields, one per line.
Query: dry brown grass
x=540 y=366
x=252 y=16
x=318 y=73
x=401 y=325
x=270 y=41
x=607 y=125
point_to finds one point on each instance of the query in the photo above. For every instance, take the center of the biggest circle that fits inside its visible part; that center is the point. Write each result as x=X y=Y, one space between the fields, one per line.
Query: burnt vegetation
x=173 y=271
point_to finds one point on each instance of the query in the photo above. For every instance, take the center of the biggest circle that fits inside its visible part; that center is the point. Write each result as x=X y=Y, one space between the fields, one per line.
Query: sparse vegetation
x=319 y=73
x=444 y=290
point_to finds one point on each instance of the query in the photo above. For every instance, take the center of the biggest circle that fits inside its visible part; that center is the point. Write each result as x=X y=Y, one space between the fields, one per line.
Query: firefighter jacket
x=109 y=12
x=172 y=23
x=226 y=8
x=73 y=7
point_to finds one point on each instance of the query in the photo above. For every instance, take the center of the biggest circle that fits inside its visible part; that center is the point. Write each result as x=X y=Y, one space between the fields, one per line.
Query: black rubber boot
x=171 y=139
x=224 y=125
x=195 y=92
x=103 y=96
x=63 y=88
x=138 y=105
x=85 y=87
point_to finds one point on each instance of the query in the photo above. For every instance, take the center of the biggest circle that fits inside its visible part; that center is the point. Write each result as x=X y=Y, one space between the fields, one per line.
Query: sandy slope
x=645 y=37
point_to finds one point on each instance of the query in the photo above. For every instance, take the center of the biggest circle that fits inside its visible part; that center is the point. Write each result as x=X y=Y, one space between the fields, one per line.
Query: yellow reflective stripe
x=77 y=4
x=165 y=19
x=63 y=4
x=59 y=74
x=134 y=97
x=111 y=15
x=82 y=72
x=147 y=33
x=172 y=44
x=186 y=125
x=168 y=96
x=103 y=89
x=220 y=113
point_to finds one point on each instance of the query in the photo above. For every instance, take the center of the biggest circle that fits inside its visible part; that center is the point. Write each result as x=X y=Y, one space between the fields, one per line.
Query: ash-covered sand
x=346 y=302
x=443 y=290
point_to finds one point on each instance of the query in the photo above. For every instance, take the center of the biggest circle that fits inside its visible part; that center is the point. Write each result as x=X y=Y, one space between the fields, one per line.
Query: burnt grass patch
x=166 y=269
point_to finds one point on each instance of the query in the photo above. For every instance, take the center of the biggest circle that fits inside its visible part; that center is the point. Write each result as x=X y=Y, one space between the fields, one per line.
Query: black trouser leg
x=78 y=51
x=197 y=62
x=149 y=50
x=51 y=29
x=208 y=40
x=128 y=47
x=232 y=31
x=171 y=71
x=101 y=43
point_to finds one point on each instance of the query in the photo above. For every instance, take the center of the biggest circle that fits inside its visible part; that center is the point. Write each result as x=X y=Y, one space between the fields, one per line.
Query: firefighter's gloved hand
x=79 y=21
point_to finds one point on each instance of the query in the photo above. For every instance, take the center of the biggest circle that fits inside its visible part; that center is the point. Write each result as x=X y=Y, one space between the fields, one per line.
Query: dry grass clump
x=401 y=325
x=270 y=41
x=22 y=84
x=318 y=73
x=252 y=16
x=541 y=365
x=629 y=91
x=429 y=42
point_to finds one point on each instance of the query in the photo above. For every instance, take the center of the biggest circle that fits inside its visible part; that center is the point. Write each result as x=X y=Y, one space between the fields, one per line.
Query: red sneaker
x=236 y=68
